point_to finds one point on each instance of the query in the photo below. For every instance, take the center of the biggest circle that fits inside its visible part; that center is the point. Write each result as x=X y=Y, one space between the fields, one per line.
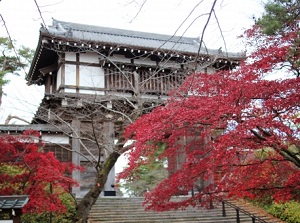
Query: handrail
x=238 y=210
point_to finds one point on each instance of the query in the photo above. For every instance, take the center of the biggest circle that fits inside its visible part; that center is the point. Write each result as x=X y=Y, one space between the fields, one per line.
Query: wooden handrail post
x=237 y=216
x=223 y=209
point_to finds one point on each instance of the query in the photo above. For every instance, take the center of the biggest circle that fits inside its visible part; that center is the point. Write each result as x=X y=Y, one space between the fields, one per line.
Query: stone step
x=112 y=211
x=177 y=220
x=168 y=218
x=138 y=215
x=130 y=210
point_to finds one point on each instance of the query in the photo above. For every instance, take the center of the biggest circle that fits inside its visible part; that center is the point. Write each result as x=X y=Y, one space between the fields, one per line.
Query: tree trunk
x=85 y=205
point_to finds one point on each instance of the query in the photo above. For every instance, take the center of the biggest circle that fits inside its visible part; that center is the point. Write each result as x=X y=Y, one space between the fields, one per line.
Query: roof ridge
x=124 y=32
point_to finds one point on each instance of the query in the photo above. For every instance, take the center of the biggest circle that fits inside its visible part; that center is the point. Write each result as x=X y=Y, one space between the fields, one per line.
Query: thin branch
x=203 y=31
x=221 y=32
x=11 y=41
x=140 y=9
x=42 y=18
x=183 y=23
x=10 y=117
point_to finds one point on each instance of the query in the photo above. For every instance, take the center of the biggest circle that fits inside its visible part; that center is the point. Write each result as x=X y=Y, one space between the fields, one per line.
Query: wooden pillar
x=54 y=82
x=136 y=78
x=48 y=84
x=17 y=219
x=109 y=136
x=77 y=72
x=75 y=155
x=63 y=72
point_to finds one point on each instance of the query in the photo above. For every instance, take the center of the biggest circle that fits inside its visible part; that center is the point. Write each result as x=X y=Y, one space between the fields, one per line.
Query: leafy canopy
x=236 y=132
x=148 y=175
x=12 y=59
x=24 y=169
x=280 y=15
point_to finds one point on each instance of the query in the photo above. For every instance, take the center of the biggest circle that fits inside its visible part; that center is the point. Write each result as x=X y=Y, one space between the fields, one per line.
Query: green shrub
x=67 y=217
x=289 y=211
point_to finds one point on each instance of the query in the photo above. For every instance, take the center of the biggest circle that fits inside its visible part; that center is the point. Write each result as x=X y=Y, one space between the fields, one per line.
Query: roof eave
x=29 y=75
x=56 y=37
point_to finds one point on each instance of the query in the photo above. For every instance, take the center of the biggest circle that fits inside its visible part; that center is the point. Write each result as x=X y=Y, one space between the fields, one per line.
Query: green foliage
x=12 y=59
x=279 y=15
x=282 y=17
x=148 y=175
x=26 y=170
x=67 y=217
x=264 y=153
x=4 y=216
x=289 y=211
x=67 y=200
x=11 y=170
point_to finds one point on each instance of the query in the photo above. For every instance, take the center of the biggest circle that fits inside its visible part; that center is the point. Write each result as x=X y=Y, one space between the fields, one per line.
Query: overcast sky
x=23 y=20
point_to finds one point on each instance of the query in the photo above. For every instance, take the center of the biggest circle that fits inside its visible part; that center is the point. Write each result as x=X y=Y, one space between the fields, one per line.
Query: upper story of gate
x=78 y=59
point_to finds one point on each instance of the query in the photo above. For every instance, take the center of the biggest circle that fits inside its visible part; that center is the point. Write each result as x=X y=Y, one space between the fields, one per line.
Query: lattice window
x=62 y=154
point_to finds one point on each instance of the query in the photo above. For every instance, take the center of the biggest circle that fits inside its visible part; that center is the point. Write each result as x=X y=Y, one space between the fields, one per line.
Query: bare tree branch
x=140 y=9
x=203 y=31
x=41 y=16
x=10 y=117
x=221 y=32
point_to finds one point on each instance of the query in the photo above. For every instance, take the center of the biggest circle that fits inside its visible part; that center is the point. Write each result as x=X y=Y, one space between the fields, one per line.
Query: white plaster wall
x=111 y=180
x=120 y=94
x=82 y=91
x=56 y=139
x=145 y=61
x=122 y=59
x=89 y=57
x=70 y=56
x=211 y=70
x=58 y=78
x=91 y=77
x=35 y=140
x=118 y=58
x=68 y=90
x=168 y=64
x=200 y=69
x=149 y=96
x=70 y=74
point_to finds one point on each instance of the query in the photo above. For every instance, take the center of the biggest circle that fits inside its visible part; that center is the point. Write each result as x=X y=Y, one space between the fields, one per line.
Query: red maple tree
x=24 y=169
x=236 y=132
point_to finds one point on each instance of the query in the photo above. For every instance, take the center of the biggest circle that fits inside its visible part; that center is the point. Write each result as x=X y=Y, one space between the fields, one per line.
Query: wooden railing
x=240 y=210
x=157 y=82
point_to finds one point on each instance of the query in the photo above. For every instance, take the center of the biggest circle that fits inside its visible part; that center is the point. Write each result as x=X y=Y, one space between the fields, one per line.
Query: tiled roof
x=65 y=32
x=36 y=127
x=13 y=202
x=122 y=37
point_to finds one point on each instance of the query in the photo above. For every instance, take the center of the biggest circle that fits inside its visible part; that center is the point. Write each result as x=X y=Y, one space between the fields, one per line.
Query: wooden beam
x=77 y=72
x=46 y=70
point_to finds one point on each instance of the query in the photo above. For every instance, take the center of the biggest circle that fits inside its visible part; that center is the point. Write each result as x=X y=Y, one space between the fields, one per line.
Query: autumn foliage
x=229 y=134
x=25 y=169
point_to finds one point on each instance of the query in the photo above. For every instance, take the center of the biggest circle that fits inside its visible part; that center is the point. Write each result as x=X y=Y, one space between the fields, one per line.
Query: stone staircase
x=130 y=210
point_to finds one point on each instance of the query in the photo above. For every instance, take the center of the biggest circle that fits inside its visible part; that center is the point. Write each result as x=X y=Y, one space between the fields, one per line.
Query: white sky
x=23 y=21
